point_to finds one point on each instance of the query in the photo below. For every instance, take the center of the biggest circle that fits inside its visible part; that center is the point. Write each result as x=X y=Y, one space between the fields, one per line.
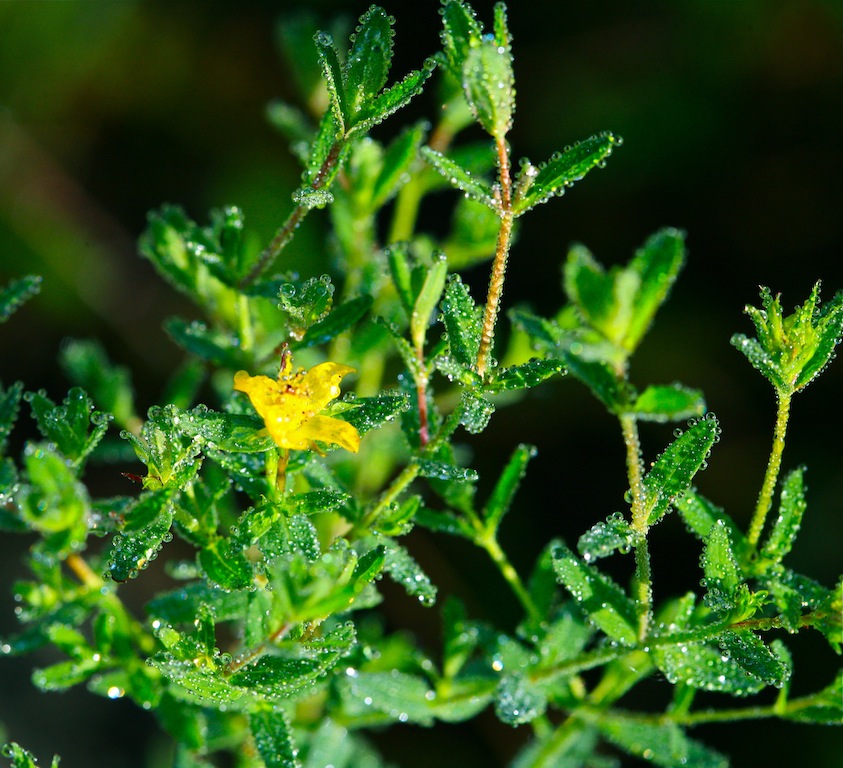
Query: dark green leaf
x=368 y=413
x=507 y=485
x=341 y=319
x=747 y=649
x=474 y=234
x=563 y=170
x=673 y=471
x=223 y=566
x=460 y=32
x=517 y=700
x=321 y=168
x=306 y=302
x=791 y=508
x=241 y=433
x=664 y=745
x=604 y=538
x=148 y=527
x=21 y=758
x=273 y=738
x=16 y=293
x=9 y=408
x=476 y=188
x=463 y=320
x=392 y=99
x=198 y=339
x=398 y=695
x=603 y=601
x=722 y=574
x=369 y=58
x=667 y=403
x=181 y=606
x=332 y=71
x=599 y=378
x=525 y=375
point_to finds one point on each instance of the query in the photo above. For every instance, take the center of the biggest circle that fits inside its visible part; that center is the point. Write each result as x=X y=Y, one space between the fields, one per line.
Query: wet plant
x=338 y=408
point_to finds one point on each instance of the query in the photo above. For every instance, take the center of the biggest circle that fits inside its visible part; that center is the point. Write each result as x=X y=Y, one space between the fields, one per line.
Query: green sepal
x=109 y=385
x=667 y=403
x=214 y=346
x=606 y=537
x=9 y=407
x=476 y=188
x=67 y=426
x=664 y=744
x=675 y=468
x=620 y=304
x=791 y=508
x=369 y=58
x=522 y=376
x=463 y=322
x=17 y=293
x=537 y=184
x=792 y=351
x=504 y=491
x=273 y=737
x=602 y=600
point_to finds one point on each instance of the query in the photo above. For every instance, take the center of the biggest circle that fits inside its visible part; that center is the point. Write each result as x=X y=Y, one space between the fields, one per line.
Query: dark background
x=731 y=115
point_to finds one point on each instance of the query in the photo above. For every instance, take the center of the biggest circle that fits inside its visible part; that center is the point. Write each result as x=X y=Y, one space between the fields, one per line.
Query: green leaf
x=67 y=426
x=341 y=319
x=667 y=403
x=673 y=471
x=397 y=695
x=538 y=184
x=404 y=570
x=823 y=708
x=273 y=737
x=368 y=413
x=474 y=234
x=463 y=322
x=720 y=566
x=217 y=347
x=392 y=99
x=525 y=375
x=441 y=470
x=604 y=538
x=21 y=758
x=544 y=334
x=792 y=351
x=489 y=84
x=603 y=601
x=319 y=173
x=242 y=433
x=306 y=303
x=396 y=166
x=427 y=299
x=109 y=385
x=475 y=411
x=224 y=566
x=477 y=189
x=369 y=58
x=749 y=651
x=664 y=745
x=620 y=304
x=147 y=528
x=507 y=485
x=699 y=515
x=599 y=378
x=9 y=408
x=460 y=33
x=791 y=508
x=517 y=700
x=332 y=71
x=17 y=293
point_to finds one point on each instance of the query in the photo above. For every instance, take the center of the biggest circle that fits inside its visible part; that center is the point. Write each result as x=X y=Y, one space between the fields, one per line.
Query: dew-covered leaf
x=603 y=601
x=475 y=411
x=720 y=566
x=699 y=515
x=563 y=170
x=823 y=708
x=599 y=378
x=667 y=403
x=606 y=537
x=273 y=737
x=332 y=71
x=181 y=606
x=22 y=758
x=109 y=385
x=461 y=178
x=340 y=319
x=9 y=407
x=368 y=413
x=663 y=744
x=474 y=234
x=462 y=319
x=749 y=651
x=525 y=375
x=791 y=508
x=427 y=299
x=393 y=98
x=460 y=32
x=489 y=85
x=673 y=471
x=17 y=293
x=404 y=570
x=504 y=491
x=68 y=426
x=544 y=334
x=441 y=470
x=65 y=674
x=214 y=346
x=398 y=695
x=225 y=567
x=517 y=700
x=147 y=527
x=240 y=433
x=369 y=57
x=305 y=303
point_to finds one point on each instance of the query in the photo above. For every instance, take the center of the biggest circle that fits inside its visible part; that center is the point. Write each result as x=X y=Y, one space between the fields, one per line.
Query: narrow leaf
x=392 y=99
x=369 y=57
x=341 y=319
x=668 y=403
x=722 y=575
x=525 y=375
x=17 y=293
x=332 y=71
x=507 y=485
x=462 y=319
x=461 y=178
x=791 y=508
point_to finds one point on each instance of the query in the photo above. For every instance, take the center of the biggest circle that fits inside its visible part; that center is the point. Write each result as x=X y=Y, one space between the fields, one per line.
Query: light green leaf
x=517 y=700
x=427 y=299
x=225 y=567
x=604 y=538
x=528 y=374
x=476 y=188
x=489 y=85
x=397 y=695
x=392 y=99
x=462 y=319
x=791 y=508
x=369 y=58
x=273 y=737
x=722 y=574
x=667 y=403
x=333 y=73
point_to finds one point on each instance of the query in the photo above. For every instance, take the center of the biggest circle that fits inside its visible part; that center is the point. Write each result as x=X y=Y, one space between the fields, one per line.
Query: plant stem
x=496 y=278
x=643 y=582
x=765 y=498
x=288 y=228
x=396 y=488
x=244 y=316
x=491 y=546
x=250 y=654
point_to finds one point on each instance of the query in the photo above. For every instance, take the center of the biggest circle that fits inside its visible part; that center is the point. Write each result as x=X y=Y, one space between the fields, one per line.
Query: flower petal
x=322 y=383
x=327 y=429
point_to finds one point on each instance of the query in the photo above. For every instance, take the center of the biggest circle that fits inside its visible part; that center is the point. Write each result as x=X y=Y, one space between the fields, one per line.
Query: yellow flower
x=291 y=404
